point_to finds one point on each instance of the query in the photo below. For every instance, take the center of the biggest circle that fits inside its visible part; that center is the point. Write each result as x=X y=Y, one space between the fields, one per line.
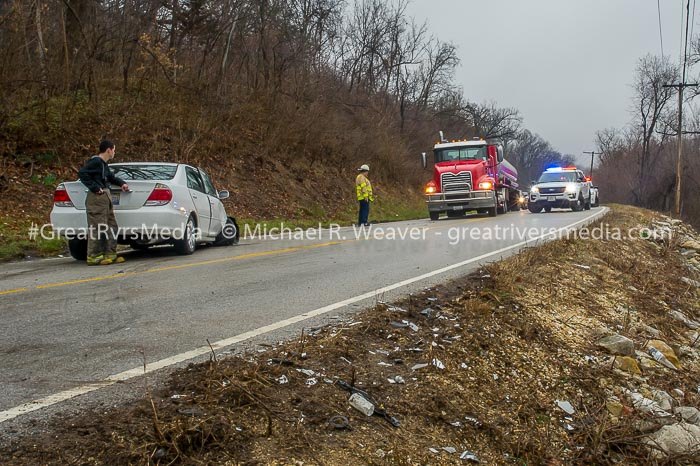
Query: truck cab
x=470 y=175
x=563 y=188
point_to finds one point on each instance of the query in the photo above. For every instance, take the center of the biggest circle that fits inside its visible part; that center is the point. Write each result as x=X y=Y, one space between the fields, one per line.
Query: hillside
x=297 y=167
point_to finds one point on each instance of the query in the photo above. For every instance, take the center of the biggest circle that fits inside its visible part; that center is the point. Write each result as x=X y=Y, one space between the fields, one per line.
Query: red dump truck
x=471 y=175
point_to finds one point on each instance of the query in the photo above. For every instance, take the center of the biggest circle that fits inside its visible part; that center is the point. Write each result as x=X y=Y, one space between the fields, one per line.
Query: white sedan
x=166 y=203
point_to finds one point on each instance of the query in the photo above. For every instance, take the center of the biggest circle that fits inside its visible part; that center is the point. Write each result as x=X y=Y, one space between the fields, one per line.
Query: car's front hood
x=556 y=184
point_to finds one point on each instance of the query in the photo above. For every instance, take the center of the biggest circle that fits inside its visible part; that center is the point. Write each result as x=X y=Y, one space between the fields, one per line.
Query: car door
x=195 y=185
x=218 y=213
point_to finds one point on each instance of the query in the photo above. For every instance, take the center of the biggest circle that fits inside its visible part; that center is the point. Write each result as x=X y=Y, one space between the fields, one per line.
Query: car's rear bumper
x=467 y=200
x=145 y=224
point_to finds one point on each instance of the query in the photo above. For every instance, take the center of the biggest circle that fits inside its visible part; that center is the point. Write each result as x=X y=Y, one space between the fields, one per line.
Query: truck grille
x=552 y=190
x=460 y=182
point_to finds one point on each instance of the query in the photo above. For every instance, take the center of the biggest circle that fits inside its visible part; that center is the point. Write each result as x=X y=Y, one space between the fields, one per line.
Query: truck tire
x=534 y=208
x=587 y=205
x=492 y=211
x=78 y=249
x=578 y=205
x=434 y=215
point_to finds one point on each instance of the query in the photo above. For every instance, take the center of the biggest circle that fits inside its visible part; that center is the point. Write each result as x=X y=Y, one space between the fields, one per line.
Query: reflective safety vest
x=363 y=188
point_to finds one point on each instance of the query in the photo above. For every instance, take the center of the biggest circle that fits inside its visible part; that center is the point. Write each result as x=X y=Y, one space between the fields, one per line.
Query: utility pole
x=679 y=158
x=593 y=154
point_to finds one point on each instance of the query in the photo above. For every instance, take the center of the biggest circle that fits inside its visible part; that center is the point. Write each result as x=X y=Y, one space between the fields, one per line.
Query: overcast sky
x=567 y=65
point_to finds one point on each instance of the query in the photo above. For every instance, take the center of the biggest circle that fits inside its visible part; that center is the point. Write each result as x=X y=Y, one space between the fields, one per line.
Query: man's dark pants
x=101 y=239
x=364 y=213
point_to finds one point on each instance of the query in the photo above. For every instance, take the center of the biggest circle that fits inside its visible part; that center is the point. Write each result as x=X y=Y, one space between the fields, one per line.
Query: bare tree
x=531 y=154
x=651 y=109
x=490 y=121
x=436 y=72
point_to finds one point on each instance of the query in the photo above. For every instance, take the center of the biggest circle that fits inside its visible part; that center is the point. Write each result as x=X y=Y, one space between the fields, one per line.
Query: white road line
x=137 y=371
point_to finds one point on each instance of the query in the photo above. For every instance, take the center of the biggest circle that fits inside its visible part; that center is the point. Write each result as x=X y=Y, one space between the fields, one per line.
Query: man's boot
x=95 y=260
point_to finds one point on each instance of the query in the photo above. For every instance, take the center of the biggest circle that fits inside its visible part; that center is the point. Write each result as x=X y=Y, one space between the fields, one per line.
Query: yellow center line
x=200 y=263
x=16 y=290
x=173 y=267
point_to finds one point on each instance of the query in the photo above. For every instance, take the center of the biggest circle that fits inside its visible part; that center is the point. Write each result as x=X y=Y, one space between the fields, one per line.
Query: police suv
x=563 y=188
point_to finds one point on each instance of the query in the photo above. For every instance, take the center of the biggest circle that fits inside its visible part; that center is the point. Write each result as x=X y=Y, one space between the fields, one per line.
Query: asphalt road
x=69 y=329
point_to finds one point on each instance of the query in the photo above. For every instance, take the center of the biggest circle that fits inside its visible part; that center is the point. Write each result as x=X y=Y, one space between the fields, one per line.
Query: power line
x=683 y=59
x=692 y=23
x=661 y=36
x=680 y=40
x=685 y=54
x=680 y=86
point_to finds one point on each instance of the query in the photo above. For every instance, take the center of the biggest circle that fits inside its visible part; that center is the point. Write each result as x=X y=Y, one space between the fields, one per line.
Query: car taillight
x=61 y=197
x=160 y=195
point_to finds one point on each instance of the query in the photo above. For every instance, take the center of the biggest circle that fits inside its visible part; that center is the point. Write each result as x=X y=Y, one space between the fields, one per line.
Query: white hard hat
x=363 y=168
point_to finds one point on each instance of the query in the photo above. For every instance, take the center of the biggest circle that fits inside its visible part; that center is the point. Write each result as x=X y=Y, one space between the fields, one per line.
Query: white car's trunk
x=134 y=199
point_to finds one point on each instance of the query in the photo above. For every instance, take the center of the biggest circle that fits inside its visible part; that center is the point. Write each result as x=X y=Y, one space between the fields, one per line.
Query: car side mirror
x=499 y=154
x=224 y=195
x=424 y=160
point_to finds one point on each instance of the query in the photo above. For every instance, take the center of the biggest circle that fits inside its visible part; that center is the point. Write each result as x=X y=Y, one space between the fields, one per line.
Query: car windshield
x=145 y=172
x=460 y=153
x=553 y=177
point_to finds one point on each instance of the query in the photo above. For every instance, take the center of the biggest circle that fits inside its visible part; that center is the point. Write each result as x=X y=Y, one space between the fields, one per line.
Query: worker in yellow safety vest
x=364 y=195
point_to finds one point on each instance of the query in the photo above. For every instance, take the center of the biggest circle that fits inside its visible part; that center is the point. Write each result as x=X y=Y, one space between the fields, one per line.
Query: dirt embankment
x=279 y=159
x=281 y=162
x=550 y=357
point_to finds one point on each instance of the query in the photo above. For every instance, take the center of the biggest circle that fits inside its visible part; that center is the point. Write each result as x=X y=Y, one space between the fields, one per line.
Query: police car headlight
x=571 y=188
x=535 y=189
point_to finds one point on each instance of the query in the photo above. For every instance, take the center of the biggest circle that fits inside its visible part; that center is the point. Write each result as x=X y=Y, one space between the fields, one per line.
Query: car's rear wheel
x=587 y=205
x=229 y=234
x=78 y=249
x=188 y=243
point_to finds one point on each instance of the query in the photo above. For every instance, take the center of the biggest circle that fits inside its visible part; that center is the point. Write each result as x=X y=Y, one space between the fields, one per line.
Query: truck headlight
x=485 y=185
x=571 y=188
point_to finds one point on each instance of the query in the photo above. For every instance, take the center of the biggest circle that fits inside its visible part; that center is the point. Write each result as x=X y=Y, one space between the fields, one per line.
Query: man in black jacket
x=102 y=226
